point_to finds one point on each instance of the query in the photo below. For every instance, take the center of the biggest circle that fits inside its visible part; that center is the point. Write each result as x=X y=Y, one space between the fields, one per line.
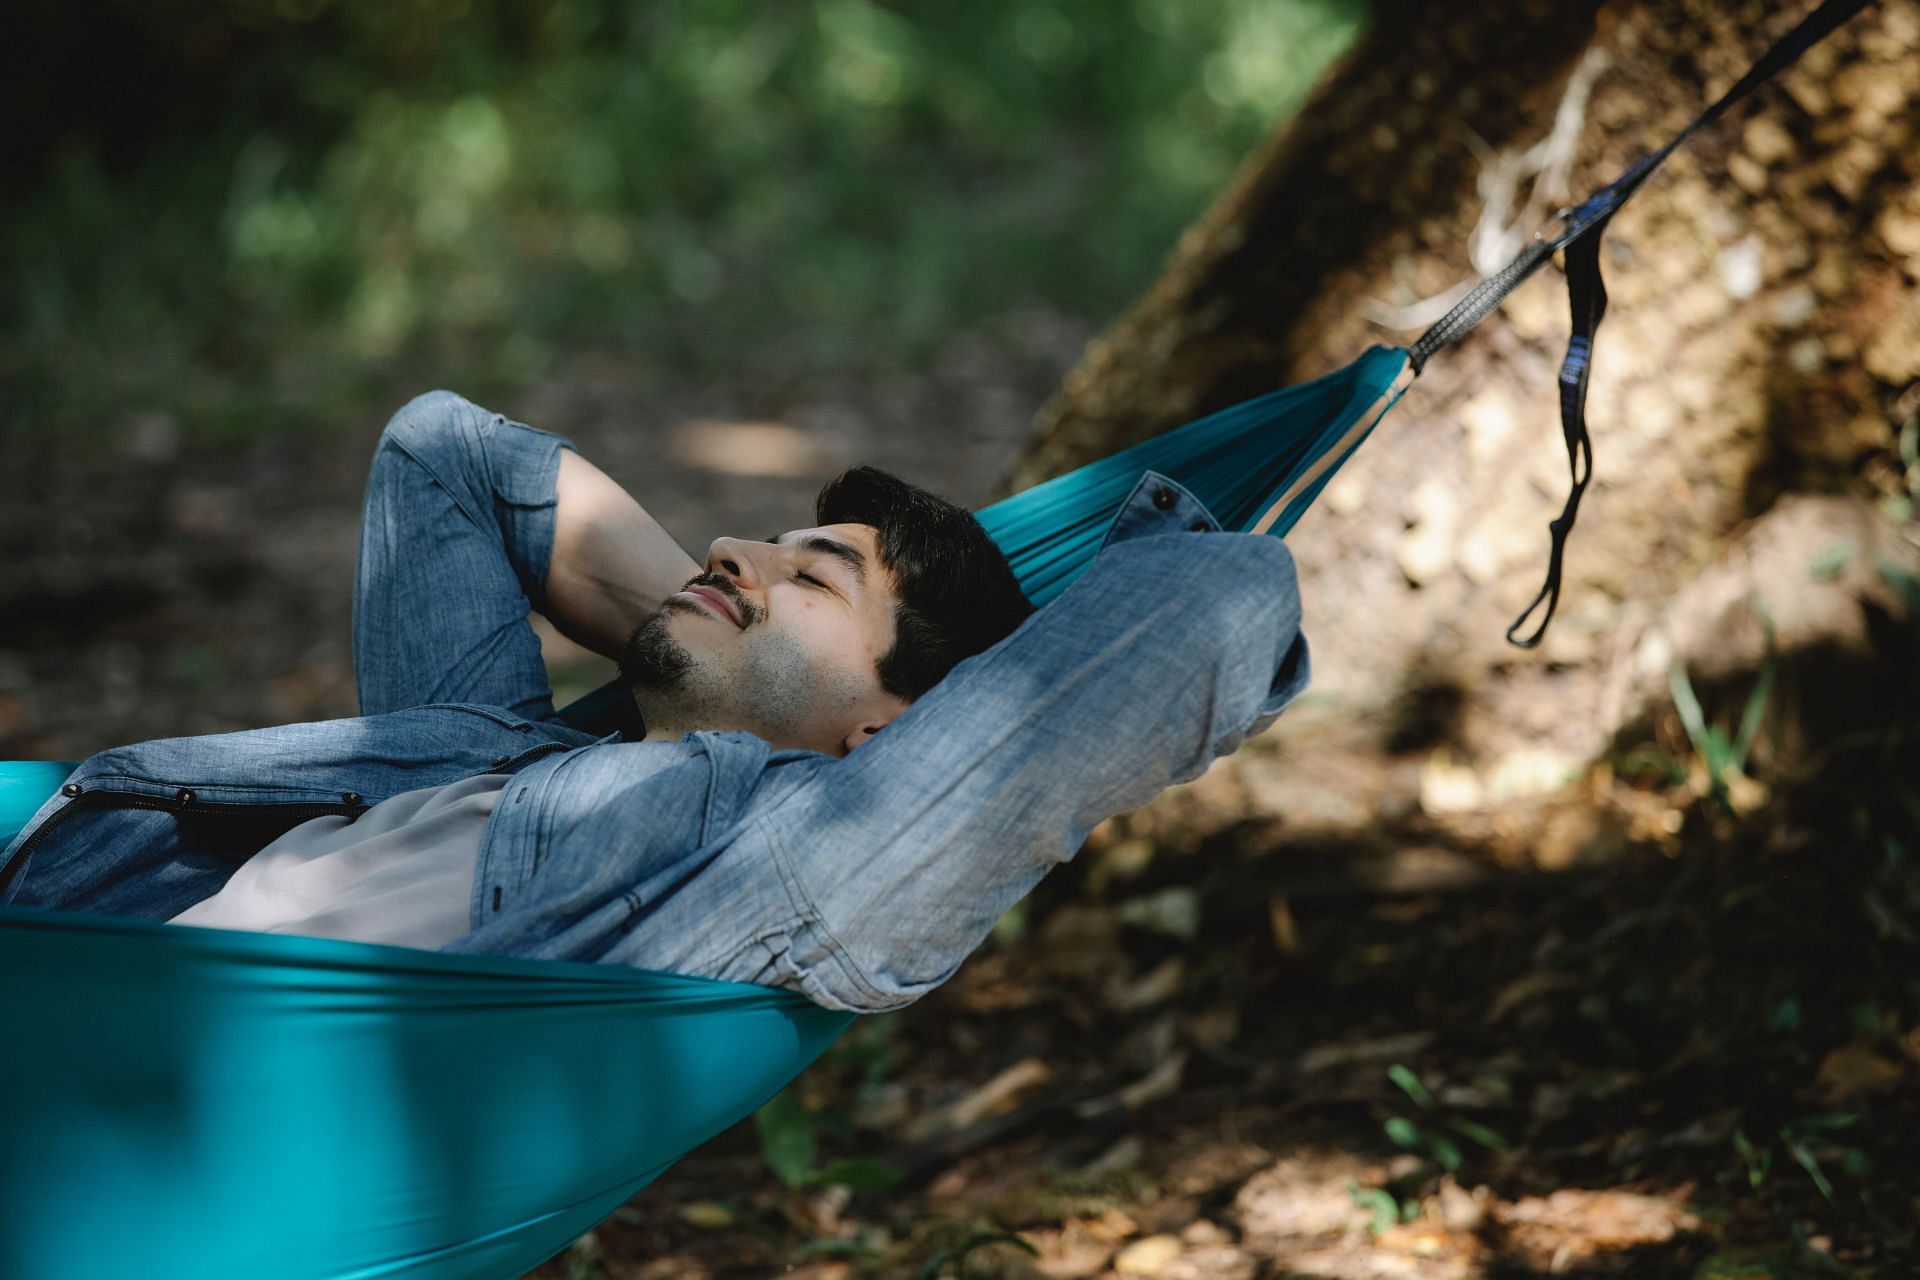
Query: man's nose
x=736 y=559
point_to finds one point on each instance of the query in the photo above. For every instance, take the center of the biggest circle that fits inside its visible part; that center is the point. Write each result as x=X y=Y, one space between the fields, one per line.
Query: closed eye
x=807 y=577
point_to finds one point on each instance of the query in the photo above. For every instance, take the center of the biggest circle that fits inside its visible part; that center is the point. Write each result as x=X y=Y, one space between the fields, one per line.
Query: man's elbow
x=431 y=422
x=1264 y=658
x=1232 y=603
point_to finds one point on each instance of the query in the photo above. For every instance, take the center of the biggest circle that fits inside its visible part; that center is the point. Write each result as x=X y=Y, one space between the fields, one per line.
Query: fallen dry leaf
x=1301 y=1196
x=1854 y=1069
x=1570 y=1227
x=1286 y=932
x=1148 y=1257
x=1340 y=1053
x=1112 y=1226
x=706 y=1215
x=996 y=1095
x=1525 y=988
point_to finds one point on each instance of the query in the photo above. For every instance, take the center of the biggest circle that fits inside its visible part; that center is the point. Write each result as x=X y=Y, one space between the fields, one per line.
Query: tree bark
x=1763 y=342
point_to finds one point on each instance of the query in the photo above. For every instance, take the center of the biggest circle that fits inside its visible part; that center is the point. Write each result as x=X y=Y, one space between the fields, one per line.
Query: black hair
x=958 y=595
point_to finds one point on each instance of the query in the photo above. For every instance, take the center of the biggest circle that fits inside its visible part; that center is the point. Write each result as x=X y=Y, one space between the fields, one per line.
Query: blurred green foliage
x=270 y=204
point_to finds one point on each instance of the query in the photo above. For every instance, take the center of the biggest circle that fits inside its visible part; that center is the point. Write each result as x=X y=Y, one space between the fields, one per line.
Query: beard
x=681 y=690
x=652 y=660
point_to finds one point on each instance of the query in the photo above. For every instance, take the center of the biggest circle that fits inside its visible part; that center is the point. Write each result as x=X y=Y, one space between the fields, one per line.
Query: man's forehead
x=864 y=538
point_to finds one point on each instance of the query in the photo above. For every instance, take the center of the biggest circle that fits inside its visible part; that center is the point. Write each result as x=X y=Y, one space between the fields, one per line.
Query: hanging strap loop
x=1588 y=296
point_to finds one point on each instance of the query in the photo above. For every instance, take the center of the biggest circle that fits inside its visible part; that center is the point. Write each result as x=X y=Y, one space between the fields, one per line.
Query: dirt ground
x=1252 y=1054
x=1287 y=1021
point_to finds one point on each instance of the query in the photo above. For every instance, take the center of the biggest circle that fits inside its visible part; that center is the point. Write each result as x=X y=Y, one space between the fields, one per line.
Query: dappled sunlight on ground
x=750 y=449
x=1694 y=1061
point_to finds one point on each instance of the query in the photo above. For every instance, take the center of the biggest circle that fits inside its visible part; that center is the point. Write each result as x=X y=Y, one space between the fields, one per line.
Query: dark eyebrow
x=849 y=556
x=840 y=551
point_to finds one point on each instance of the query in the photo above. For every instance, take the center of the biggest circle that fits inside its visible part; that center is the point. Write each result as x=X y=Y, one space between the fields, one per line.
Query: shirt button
x=184 y=796
x=1198 y=526
x=351 y=797
x=71 y=789
x=1163 y=497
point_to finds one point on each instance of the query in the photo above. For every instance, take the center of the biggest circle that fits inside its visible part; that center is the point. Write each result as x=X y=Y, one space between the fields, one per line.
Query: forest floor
x=1244 y=1056
x=1240 y=1036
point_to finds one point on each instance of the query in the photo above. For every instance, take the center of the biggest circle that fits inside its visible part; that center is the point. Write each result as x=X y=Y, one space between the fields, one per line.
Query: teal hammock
x=193 y=1102
x=218 y=1104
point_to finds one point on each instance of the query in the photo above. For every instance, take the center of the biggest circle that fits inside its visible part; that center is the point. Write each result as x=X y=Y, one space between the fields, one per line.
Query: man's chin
x=652 y=658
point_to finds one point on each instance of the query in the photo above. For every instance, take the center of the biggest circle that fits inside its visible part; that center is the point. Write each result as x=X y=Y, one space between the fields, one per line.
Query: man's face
x=780 y=638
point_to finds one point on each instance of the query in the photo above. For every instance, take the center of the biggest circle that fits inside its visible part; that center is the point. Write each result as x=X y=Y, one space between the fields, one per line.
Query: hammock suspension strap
x=1581 y=228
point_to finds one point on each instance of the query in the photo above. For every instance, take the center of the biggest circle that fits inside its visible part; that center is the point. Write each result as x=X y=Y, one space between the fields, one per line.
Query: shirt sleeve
x=1169 y=651
x=455 y=538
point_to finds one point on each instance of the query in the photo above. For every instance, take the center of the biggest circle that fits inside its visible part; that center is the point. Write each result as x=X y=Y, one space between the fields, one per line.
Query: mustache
x=714 y=582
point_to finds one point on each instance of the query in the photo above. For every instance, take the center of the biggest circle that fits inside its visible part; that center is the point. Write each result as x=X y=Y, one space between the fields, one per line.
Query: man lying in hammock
x=849 y=748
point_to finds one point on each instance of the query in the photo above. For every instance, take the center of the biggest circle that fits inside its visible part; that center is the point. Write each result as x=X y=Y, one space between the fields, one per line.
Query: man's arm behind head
x=1165 y=655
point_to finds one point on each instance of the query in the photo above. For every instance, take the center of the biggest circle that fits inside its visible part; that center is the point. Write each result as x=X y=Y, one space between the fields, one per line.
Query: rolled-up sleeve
x=455 y=538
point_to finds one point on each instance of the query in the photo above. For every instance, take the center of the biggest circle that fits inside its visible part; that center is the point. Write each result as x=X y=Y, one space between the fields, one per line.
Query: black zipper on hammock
x=91 y=800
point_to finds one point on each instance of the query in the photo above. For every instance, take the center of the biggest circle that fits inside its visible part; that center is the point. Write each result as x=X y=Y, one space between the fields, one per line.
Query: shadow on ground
x=1253 y=1052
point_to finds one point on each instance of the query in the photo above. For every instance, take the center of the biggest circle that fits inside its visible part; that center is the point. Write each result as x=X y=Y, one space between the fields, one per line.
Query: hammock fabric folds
x=196 y=1102
x=215 y=1104
x=1256 y=465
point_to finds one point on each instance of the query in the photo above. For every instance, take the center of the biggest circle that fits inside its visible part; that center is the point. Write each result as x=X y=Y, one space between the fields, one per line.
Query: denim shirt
x=861 y=881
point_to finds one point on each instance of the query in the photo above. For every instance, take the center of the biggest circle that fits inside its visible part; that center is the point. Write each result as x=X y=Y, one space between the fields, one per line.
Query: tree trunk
x=1761 y=348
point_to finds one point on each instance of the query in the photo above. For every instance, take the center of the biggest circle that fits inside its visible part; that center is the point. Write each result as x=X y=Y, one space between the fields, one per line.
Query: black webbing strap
x=1580 y=230
x=1589 y=298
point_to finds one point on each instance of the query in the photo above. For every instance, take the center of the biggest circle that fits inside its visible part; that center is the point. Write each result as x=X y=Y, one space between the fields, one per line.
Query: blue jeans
x=862 y=881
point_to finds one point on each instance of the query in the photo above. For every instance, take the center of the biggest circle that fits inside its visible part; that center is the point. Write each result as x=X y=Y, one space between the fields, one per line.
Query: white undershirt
x=401 y=872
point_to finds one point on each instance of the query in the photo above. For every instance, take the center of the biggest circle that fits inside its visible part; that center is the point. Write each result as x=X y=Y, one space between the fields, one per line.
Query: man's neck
x=664 y=721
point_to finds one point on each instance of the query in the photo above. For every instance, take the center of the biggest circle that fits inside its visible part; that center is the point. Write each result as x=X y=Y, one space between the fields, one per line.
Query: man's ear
x=874 y=721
